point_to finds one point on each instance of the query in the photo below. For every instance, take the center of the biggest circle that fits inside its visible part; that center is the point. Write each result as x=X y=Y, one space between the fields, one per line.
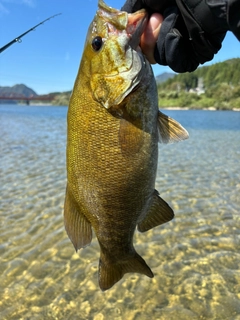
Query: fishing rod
x=18 y=39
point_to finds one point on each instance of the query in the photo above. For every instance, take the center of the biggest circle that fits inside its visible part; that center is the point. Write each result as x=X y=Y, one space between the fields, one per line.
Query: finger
x=150 y=36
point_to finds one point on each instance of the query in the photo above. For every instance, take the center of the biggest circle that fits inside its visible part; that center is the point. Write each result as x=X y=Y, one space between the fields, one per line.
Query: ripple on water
x=195 y=258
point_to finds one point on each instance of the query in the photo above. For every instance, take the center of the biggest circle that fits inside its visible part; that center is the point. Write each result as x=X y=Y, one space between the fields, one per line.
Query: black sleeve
x=206 y=22
x=151 y=5
x=193 y=32
x=233 y=16
x=173 y=47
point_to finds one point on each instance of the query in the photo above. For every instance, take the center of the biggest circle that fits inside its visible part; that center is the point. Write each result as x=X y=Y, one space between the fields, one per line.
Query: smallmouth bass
x=114 y=127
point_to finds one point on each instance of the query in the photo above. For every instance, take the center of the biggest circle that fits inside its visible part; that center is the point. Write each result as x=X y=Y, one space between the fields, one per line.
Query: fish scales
x=112 y=145
x=120 y=183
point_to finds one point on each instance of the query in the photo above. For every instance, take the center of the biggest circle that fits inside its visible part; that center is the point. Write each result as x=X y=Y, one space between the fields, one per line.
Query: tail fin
x=112 y=272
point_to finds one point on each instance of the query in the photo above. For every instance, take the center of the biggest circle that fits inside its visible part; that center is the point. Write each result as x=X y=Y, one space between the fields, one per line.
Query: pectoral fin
x=77 y=226
x=159 y=213
x=170 y=130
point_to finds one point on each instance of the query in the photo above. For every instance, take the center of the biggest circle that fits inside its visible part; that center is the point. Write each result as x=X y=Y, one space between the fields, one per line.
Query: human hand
x=151 y=33
x=188 y=33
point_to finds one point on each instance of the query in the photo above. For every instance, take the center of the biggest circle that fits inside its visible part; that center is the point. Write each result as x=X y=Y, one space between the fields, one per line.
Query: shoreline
x=207 y=109
x=45 y=104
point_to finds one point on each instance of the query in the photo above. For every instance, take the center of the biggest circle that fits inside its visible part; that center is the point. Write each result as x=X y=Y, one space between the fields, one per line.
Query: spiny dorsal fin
x=159 y=213
x=110 y=273
x=170 y=130
x=77 y=226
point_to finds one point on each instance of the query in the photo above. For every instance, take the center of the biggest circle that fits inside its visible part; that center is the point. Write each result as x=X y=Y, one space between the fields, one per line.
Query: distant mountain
x=17 y=90
x=164 y=76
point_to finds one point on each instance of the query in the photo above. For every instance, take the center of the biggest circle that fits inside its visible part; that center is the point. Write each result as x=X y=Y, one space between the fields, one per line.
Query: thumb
x=150 y=36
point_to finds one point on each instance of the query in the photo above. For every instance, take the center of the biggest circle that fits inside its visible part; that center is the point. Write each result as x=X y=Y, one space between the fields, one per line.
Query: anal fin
x=159 y=213
x=76 y=224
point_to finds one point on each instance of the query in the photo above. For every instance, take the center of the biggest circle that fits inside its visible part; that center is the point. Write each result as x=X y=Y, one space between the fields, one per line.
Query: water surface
x=195 y=258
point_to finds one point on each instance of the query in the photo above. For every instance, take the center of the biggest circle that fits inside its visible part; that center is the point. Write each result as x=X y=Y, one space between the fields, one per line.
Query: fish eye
x=97 y=43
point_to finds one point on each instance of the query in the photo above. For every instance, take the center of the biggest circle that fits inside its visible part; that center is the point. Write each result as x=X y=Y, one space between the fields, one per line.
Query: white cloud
x=3 y=9
x=4 y=4
x=29 y=3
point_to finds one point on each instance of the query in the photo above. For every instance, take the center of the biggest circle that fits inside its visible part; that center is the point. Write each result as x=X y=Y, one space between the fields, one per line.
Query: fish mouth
x=135 y=27
x=117 y=21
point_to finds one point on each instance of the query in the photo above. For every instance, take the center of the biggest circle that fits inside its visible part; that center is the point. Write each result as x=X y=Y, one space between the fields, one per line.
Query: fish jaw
x=117 y=68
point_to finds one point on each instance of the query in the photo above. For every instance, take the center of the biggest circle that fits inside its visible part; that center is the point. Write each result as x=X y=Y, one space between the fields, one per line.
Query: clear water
x=195 y=257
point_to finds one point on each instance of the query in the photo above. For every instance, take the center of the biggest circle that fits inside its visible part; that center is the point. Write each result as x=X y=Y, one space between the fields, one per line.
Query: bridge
x=45 y=97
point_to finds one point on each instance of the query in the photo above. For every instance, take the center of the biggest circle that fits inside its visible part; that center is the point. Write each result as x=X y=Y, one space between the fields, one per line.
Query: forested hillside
x=216 y=86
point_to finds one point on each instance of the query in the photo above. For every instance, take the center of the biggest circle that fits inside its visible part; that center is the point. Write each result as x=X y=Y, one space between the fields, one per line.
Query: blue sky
x=48 y=58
